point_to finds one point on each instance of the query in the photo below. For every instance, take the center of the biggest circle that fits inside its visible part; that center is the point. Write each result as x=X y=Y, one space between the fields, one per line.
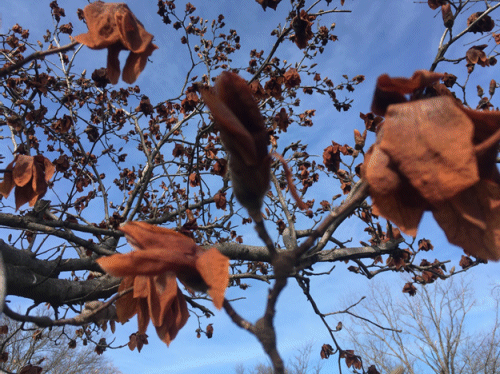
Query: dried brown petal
x=209 y=331
x=493 y=86
x=393 y=90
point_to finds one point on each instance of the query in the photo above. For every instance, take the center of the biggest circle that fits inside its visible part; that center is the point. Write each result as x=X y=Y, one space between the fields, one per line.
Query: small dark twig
x=237 y=319
x=194 y=304
x=262 y=232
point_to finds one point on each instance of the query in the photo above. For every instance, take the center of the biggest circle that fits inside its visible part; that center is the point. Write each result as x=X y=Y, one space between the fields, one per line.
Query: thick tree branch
x=27 y=223
x=52 y=268
x=358 y=194
x=35 y=56
x=23 y=282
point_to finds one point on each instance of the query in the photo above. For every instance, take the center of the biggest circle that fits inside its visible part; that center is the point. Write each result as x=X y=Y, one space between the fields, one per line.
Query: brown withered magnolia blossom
x=244 y=136
x=432 y=153
x=161 y=256
x=434 y=4
x=485 y=24
x=301 y=25
x=269 y=3
x=115 y=27
x=475 y=55
x=30 y=176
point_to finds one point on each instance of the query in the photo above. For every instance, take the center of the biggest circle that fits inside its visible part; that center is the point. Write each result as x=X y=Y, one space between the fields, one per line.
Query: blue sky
x=395 y=37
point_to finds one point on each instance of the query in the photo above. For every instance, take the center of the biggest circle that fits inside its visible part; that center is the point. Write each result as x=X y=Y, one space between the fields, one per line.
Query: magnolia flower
x=268 y=3
x=244 y=136
x=301 y=25
x=435 y=154
x=161 y=256
x=115 y=27
x=30 y=176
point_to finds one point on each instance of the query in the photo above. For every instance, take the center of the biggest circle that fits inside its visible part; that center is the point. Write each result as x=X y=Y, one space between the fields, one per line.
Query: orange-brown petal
x=25 y=194
x=7 y=183
x=39 y=183
x=49 y=168
x=141 y=286
x=126 y=306
x=379 y=173
x=142 y=236
x=135 y=64
x=390 y=91
x=174 y=320
x=162 y=292
x=404 y=207
x=101 y=23
x=430 y=141
x=23 y=170
x=235 y=93
x=471 y=220
x=132 y=33
x=148 y=262
x=142 y=315
x=113 y=64
x=214 y=269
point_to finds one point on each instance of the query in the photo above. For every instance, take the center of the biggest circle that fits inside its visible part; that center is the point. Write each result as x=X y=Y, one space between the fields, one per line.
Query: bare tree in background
x=300 y=364
x=54 y=350
x=428 y=332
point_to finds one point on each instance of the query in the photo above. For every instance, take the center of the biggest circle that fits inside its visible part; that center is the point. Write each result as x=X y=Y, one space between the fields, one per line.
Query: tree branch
x=35 y=56
x=23 y=282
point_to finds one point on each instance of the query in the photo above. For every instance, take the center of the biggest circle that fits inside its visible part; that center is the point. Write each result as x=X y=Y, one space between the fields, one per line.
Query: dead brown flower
x=30 y=176
x=331 y=156
x=434 y=154
x=485 y=24
x=220 y=200
x=301 y=25
x=434 y=4
x=475 y=55
x=244 y=136
x=496 y=37
x=269 y=3
x=282 y=120
x=115 y=27
x=62 y=125
x=447 y=14
x=410 y=289
x=161 y=256
x=292 y=78
x=326 y=351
